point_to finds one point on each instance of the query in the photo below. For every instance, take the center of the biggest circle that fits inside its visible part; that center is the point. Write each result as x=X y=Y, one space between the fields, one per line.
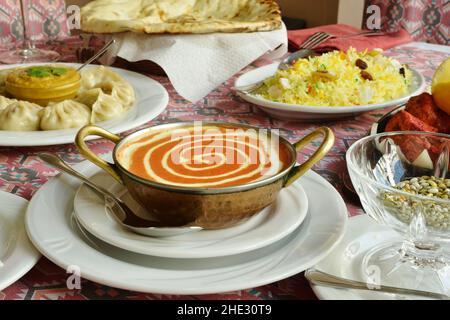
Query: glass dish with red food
x=419 y=114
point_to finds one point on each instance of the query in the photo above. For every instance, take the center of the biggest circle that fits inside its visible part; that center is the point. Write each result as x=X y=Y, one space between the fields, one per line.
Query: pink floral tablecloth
x=425 y=20
x=22 y=173
x=46 y=20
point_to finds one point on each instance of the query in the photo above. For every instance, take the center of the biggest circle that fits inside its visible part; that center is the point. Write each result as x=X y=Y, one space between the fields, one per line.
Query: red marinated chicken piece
x=404 y=121
x=420 y=114
x=424 y=108
x=444 y=122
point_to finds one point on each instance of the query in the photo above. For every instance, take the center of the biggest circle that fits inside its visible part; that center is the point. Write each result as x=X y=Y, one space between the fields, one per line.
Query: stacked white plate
x=17 y=254
x=69 y=224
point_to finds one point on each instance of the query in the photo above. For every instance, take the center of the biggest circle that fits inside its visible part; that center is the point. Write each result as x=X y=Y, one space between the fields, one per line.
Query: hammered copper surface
x=210 y=211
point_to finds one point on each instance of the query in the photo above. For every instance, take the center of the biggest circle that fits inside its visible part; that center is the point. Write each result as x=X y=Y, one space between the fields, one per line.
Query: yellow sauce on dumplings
x=43 y=84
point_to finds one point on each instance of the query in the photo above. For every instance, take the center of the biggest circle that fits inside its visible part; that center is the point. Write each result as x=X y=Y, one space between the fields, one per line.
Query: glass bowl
x=403 y=181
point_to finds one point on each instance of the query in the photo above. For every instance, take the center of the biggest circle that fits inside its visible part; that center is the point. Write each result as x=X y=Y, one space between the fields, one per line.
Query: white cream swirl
x=211 y=157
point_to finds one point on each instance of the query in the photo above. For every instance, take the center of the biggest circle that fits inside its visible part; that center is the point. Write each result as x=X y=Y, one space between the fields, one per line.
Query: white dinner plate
x=293 y=112
x=268 y=226
x=151 y=100
x=17 y=254
x=64 y=244
x=362 y=234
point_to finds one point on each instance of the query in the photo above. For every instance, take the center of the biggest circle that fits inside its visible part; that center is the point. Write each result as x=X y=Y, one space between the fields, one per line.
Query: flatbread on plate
x=180 y=16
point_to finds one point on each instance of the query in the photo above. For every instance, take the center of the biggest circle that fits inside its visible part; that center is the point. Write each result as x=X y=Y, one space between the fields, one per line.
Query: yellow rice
x=301 y=84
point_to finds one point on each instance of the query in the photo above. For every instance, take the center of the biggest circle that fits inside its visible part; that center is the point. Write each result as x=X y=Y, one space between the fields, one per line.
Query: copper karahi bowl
x=209 y=208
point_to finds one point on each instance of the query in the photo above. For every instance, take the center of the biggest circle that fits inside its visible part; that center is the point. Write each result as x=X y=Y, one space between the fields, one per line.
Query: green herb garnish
x=45 y=71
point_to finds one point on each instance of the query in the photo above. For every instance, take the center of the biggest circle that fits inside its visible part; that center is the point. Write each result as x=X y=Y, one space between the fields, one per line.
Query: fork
x=315 y=40
x=319 y=37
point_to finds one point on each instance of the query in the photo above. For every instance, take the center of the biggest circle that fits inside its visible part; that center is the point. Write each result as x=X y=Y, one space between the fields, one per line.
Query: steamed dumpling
x=105 y=92
x=4 y=102
x=89 y=97
x=90 y=78
x=123 y=92
x=3 y=75
x=110 y=83
x=95 y=76
x=112 y=75
x=21 y=116
x=105 y=107
x=64 y=115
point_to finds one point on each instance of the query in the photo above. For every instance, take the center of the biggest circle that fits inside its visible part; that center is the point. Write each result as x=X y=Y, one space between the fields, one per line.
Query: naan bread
x=180 y=16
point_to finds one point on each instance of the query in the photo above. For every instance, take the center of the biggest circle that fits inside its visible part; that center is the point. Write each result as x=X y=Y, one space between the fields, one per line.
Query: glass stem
x=27 y=46
x=418 y=246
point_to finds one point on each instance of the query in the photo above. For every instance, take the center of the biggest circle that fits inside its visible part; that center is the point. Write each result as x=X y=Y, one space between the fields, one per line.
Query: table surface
x=22 y=174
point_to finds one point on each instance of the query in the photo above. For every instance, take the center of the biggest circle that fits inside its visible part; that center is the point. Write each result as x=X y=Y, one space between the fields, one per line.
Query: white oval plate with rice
x=294 y=112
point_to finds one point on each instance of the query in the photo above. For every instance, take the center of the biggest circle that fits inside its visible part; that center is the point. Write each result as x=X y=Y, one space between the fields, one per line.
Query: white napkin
x=198 y=63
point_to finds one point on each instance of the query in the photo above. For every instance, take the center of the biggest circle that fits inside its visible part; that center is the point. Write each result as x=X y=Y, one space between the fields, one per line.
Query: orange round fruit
x=440 y=87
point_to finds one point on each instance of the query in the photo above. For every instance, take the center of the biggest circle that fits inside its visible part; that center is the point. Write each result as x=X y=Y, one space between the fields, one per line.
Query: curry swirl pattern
x=210 y=156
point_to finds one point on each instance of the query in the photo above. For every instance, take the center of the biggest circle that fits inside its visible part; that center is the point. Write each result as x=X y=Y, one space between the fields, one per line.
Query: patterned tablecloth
x=22 y=173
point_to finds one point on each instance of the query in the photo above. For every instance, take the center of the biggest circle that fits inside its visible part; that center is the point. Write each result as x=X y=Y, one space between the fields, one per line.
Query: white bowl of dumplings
x=103 y=95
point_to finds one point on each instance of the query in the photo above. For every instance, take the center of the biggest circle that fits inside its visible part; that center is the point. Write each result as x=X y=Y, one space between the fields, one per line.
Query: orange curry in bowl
x=209 y=156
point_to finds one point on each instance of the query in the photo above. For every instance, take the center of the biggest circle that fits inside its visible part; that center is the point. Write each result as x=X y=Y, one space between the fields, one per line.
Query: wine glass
x=395 y=175
x=28 y=53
